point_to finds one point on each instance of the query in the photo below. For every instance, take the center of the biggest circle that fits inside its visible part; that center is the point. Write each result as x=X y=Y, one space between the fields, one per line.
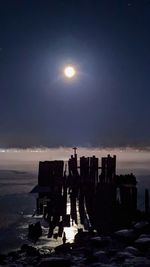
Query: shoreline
x=126 y=247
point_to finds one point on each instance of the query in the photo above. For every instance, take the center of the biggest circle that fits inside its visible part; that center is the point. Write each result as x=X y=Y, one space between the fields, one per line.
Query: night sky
x=106 y=104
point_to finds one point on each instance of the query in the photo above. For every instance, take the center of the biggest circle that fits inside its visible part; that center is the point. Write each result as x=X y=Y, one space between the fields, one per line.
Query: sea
x=18 y=176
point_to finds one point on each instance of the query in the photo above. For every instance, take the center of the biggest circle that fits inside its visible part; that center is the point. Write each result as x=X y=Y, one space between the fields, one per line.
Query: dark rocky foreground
x=127 y=247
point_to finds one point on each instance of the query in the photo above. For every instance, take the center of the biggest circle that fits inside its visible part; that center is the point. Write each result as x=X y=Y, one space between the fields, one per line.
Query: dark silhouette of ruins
x=99 y=199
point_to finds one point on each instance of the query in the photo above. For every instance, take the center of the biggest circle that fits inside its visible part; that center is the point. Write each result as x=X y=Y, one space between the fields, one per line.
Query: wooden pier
x=108 y=200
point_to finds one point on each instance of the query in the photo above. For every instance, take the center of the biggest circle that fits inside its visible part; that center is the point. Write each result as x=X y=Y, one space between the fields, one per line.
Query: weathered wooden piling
x=96 y=194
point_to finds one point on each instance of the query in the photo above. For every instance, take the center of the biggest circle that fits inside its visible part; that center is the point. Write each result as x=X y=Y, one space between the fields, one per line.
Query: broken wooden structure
x=99 y=193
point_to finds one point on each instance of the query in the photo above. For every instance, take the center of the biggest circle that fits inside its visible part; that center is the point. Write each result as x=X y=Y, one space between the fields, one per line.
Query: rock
x=100 y=241
x=112 y=252
x=97 y=257
x=83 y=237
x=141 y=225
x=64 y=248
x=124 y=254
x=29 y=250
x=55 y=262
x=82 y=254
x=78 y=260
x=134 y=251
x=143 y=243
x=96 y=241
x=144 y=235
x=35 y=231
x=44 y=251
x=125 y=235
x=101 y=256
x=120 y=257
x=142 y=228
x=137 y=262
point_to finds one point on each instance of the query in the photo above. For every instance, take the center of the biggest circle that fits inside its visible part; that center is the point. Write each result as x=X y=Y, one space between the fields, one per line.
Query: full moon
x=69 y=72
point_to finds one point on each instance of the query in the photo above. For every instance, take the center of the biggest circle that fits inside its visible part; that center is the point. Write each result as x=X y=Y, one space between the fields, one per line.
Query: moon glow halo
x=69 y=72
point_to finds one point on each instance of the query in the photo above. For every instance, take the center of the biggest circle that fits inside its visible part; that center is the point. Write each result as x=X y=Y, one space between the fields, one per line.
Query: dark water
x=17 y=206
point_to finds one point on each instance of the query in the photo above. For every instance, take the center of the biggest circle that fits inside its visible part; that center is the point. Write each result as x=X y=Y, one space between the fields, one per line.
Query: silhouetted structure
x=106 y=199
x=50 y=183
x=108 y=169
